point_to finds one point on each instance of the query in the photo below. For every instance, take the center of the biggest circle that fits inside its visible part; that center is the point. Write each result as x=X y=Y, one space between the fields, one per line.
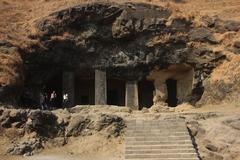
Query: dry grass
x=17 y=17
x=229 y=75
x=10 y=69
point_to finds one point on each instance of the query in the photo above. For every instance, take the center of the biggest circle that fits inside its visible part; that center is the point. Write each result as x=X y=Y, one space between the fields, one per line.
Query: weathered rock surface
x=44 y=123
x=76 y=126
x=217 y=136
x=13 y=118
x=233 y=122
x=26 y=148
x=128 y=40
x=30 y=130
x=11 y=73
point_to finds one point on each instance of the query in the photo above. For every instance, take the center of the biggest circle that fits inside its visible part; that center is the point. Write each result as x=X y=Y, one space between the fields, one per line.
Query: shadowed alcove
x=116 y=92
x=172 y=100
x=84 y=91
x=145 y=93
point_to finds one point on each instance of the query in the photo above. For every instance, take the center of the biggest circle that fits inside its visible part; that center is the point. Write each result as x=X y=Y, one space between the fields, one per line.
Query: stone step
x=164 y=155
x=165 y=158
x=151 y=127
x=158 y=151
x=161 y=134
x=153 y=147
x=156 y=138
x=157 y=131
x=160 y=130
x=159 y=142
x=156 y=126
x=156 y=121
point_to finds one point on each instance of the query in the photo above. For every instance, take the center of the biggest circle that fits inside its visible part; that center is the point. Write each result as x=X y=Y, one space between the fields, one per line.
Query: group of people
x=48 y=102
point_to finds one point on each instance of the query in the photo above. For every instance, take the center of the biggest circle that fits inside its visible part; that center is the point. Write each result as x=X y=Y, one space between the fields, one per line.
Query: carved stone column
x=131 y=99
x=100 y=87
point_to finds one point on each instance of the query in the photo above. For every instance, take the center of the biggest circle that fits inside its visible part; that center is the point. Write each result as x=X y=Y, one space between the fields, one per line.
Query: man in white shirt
x=65 y=100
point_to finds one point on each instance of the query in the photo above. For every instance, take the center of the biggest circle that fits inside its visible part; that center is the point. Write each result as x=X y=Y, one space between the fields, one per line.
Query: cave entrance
x=54 y=84
x=171 y=92
x=84 y=91
x=115 y=92
x=145 y=92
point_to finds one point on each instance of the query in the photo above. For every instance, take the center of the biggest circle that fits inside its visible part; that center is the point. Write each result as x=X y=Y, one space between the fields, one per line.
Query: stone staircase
x=166 y=139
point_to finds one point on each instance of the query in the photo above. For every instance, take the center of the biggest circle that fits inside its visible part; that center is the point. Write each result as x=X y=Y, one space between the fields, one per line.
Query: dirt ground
x=98 y=148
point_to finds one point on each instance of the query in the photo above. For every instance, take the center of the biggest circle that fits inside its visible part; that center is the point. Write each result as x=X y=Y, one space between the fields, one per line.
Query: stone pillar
x=100 y=87
x=131 y=99
x=69 y=87
x=161 y=93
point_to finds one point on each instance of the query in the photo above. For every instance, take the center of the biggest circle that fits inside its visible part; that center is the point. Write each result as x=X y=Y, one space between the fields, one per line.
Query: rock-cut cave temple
x=135 y=55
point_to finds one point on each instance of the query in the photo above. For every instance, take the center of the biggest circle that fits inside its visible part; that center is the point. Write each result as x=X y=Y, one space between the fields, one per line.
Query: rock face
x=26 y=148
x=133 y=37
x=80 y=125
x=128 y=40
x=30 y=130
x=44 y=123
x=216 y=136
x=11 y=73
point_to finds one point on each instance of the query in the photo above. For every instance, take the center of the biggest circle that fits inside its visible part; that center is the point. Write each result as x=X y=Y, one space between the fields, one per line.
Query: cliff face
x=11 y=72
x=128 y=40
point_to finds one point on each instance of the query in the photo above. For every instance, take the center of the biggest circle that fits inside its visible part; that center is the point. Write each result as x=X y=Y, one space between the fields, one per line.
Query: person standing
x=43 y=101
x=65 y=100
x=53 y=99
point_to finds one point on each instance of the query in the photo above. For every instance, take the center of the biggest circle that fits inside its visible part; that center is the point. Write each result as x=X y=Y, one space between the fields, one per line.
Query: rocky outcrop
x=128 y=40
x=31 y=130
x=26 y=148
x=122 y=37
x=44 y=123
x=11 y=73
x=216 y=135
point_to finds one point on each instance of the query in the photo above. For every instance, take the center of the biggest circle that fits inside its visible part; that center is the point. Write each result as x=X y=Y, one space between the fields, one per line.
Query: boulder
x=236 y=44
x=26 y=147
x=4 y=115
x=200 y=34
x=113 y=124
x=13 y=117
x=193 y=126
x=106 y=120
x=232 y=25
x=76 y=125
x=44 y=123
x=211 y=147
x=233 y=122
